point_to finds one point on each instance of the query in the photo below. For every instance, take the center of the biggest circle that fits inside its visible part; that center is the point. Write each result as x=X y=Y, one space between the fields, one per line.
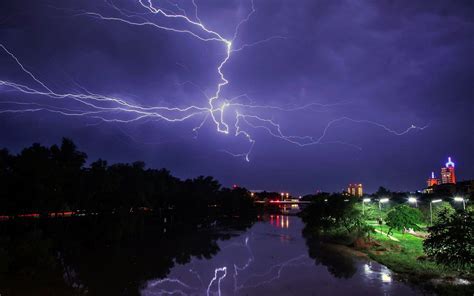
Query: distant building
x=433 y=181
x=355 y=190
x=448 y=185
x=447 y=173
x=463 y=188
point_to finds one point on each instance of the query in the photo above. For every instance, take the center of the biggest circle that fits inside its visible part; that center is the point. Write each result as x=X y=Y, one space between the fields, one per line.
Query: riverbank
x=404 y=255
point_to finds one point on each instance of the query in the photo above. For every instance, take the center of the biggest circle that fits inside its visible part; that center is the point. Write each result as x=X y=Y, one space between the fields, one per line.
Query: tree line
x=348 y=220
x=43 y=179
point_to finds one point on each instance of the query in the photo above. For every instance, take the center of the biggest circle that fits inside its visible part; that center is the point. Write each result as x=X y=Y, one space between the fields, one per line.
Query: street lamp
x=458 y=199
x=282 y=194
x=381 y=201
x=413 y=200
x=431 y=209
x=363 y=206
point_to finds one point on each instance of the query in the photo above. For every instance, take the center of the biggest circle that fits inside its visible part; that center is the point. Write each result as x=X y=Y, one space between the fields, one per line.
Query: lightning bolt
x=214 y=286
x=218 y=109
x=216 y=271
x=296 y=261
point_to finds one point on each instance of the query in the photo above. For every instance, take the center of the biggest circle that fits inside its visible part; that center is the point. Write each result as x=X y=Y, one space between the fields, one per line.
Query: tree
x=451 y=239
x=403 y=217
x=382 y=191
x=369 y=210
x=440 y=208
x=336 y=214
x=67 y=164
x=236 y=202
x=5 y=180
x=33 y=187
x=49 y=179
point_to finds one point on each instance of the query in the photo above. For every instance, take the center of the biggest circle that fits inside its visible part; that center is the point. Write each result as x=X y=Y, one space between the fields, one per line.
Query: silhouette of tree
x=67 y=172
x=34 y=186
x=44 y=180
x=382 y=191
x=5 y=180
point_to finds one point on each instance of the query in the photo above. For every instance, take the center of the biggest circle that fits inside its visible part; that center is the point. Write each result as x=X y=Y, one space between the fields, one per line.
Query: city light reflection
x=386 y=277
x=280 y=221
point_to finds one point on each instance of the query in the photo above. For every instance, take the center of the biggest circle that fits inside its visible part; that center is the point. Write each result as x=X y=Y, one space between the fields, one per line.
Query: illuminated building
x=432 y=181
x=355 y=190
x=447 y=173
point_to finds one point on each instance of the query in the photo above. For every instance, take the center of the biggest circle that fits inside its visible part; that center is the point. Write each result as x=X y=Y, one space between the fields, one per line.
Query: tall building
x=447 y=173
x=355 y=190
x=433 y=181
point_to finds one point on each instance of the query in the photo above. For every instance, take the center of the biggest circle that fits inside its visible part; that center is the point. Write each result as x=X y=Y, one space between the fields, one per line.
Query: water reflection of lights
x=386 y=274
x=367 y=269
x=280 y=221
x=386 y=277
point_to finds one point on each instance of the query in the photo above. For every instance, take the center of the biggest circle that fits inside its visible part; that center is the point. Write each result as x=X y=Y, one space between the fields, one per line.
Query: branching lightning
x=245 y=116
x=174 y=286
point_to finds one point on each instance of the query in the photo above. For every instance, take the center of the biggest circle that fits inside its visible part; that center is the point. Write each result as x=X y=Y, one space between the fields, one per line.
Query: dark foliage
x=49 y=179
x=336 y=214
x=101 y=255
x=451 y=239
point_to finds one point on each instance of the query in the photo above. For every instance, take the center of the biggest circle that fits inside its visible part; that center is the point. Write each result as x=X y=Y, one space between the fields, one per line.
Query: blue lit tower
x=447 y=173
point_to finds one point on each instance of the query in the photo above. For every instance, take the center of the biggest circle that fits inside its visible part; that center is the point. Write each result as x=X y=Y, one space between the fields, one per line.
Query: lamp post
x=381 y=201
x=363 y=204
x=282 y=194
x=458 y=199
x=431 y=209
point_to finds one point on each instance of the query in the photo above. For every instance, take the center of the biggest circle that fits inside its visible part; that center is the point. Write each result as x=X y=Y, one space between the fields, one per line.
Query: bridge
x=284 y=202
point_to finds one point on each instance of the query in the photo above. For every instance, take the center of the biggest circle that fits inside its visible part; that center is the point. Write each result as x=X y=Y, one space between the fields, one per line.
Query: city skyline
x=321 y=95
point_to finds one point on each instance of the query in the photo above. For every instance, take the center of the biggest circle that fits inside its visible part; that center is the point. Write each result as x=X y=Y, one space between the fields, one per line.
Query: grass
x=408 y=259
x=405 y=256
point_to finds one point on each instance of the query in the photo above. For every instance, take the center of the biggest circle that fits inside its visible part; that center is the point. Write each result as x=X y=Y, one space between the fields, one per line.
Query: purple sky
x=372 y=68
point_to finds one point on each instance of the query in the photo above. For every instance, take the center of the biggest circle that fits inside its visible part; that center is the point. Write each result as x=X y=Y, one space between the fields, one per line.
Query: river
x=272 y=258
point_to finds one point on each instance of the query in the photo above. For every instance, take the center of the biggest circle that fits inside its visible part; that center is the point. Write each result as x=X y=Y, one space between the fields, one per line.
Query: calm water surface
x=272 y=258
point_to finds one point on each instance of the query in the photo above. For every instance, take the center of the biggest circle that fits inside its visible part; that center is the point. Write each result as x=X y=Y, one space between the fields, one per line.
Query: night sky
x=332 y=92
